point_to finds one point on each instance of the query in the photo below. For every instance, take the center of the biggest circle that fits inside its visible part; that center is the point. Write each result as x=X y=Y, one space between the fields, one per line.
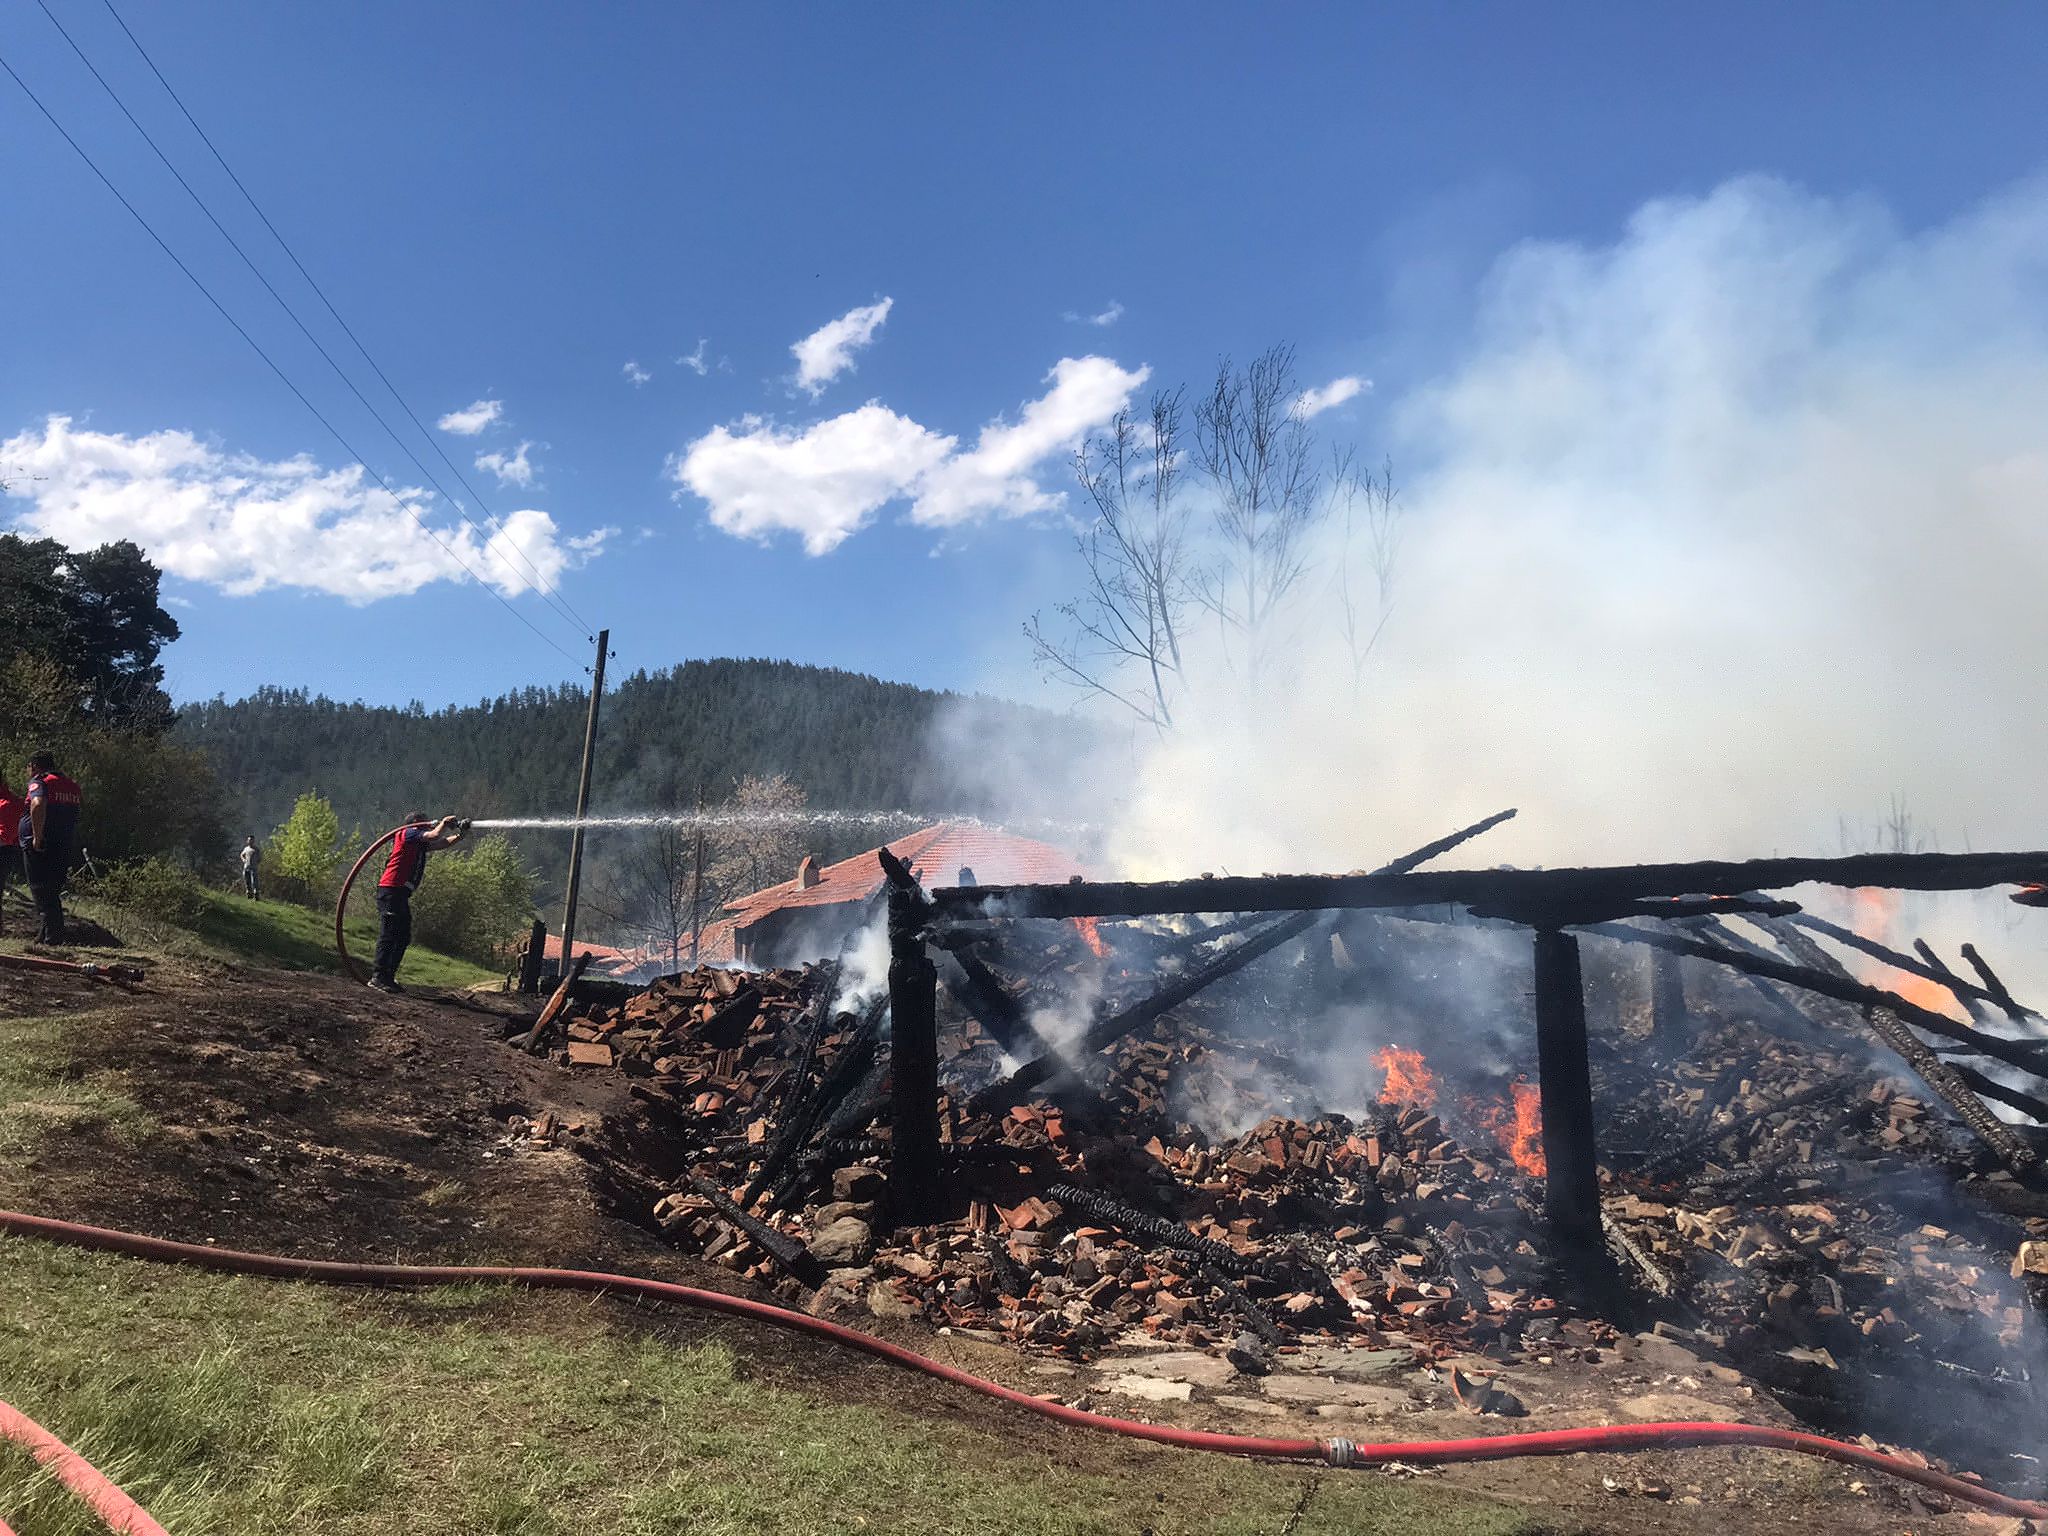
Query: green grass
x=50 y=1087
x=296 y=938
x=253 y=1407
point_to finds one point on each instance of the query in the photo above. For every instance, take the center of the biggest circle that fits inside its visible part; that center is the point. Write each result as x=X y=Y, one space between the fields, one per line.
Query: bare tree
x=1256 y=452
x=1371 y=515
x=647 y=893
x=1121 y=638
x=762 y=837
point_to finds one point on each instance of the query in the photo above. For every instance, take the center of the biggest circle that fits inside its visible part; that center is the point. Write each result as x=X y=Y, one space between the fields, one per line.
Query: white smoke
x=1715 y=534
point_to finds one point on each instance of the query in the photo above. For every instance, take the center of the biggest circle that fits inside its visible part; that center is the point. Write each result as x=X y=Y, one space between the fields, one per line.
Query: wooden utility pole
x=1572 y=1179
x=582 y=803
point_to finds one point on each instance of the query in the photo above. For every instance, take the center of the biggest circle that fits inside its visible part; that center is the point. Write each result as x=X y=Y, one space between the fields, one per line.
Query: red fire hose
x=348 y=963
x=120 y=1512
x=1332 y=1452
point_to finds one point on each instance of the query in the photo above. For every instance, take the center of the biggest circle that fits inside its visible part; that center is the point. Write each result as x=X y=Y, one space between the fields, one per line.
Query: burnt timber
x=1532 y=894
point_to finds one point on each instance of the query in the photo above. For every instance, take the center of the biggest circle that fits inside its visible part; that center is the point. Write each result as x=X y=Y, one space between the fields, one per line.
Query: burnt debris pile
x=1194 y=1132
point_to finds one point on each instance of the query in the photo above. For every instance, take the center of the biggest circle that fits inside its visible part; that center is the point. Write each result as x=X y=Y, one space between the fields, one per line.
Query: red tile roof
x=935 y=855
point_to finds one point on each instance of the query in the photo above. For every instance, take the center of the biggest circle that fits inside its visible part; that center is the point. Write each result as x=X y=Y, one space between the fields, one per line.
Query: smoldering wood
x=530 y=958
x=1625 y=1247
x=534 y=1038
x=1522 y=891
x=1896 y=959
x=1667 y=1000
x=1944 y=1080
x=1107 y=1031
x=2026 y=1055
x=800 y=1120
x=1672 y=1158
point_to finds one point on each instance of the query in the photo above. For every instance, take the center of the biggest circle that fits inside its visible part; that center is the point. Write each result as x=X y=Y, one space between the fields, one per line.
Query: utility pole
x=582 y=803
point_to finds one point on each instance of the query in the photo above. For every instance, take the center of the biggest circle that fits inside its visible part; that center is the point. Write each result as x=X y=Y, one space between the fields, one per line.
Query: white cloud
x=826 y=481
x=1313 y=402
x=1109 y=316
x=634 y=374
x=244 y=524
x=696 y=361
x=511 y=469
x=472 y=419
x=823 y=482
x=995 y=476
x=828 y=351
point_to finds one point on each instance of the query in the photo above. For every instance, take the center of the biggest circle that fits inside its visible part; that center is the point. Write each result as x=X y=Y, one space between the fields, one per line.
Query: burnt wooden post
x=913 y=1061
x=1667 y=1001
x=530 y=959
x=1572 y=1180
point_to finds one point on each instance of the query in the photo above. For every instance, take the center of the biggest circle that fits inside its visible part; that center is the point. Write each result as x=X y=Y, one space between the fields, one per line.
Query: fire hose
x=86 y=1481
x=348 y=963
x=1334 y=1452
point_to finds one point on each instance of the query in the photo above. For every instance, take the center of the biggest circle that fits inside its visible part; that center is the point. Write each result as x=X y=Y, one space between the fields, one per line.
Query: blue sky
x=513 y=202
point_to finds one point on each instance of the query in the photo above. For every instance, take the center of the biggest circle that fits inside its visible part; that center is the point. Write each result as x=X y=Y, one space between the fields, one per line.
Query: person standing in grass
x=47 y=833
x=401 y=877
x=12 y=809
x=252 y=857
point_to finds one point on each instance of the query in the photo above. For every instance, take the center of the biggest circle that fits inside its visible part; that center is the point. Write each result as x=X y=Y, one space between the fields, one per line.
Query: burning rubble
x=1780 y=1200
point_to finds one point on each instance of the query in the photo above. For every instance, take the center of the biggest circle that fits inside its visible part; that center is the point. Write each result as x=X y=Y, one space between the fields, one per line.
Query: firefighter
x=12 y=809
x=401 y=877
x=47 y=833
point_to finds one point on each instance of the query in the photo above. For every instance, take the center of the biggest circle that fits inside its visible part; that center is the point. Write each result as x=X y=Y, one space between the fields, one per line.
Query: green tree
x=306 y=852
x=97 y=615
x=474 y=901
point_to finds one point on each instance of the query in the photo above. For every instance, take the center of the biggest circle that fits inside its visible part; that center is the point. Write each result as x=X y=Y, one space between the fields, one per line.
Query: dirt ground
x=295 y=1113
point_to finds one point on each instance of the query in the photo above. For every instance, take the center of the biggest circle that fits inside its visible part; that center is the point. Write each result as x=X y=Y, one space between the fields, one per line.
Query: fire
x=1873 y=912
x=1519 y=1129
x=1409 y=1081
x=1092 y=936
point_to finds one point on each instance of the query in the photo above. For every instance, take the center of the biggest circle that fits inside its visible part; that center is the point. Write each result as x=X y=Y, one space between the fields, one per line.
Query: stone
x=1188 y=1365
x=1356 y=1364
x=1661 y=1354
x=885 y=1302
x=1150 y=1388
x=857 y=1185
x=825 y=1215
x=1320 y=1391
x=1675 y=1405
x=845 y=1241
x=1251 y=1405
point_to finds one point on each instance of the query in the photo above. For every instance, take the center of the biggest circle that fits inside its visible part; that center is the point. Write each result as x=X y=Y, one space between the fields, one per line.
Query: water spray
x=715 y=821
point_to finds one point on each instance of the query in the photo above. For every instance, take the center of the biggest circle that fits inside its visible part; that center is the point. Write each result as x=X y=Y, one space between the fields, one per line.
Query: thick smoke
x=1714 y=535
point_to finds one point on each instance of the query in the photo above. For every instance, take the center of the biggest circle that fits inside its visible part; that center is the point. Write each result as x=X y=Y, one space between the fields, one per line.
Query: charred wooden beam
x=1667 y=1000
x=1571 y=1188
x=801 y=1120
x=789 y=1255
x=1945 y=1081
x=913 y=1052
x=1999 y=995
x=534 y=1039
x=1990 y=1088
x=1097 y=1206
x=976 y=988
x=1523 y=891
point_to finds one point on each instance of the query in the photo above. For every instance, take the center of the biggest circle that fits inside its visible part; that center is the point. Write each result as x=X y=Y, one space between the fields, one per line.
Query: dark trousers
x=46 y=884
x=10 y=874
x=394 y=929
x=249 y=880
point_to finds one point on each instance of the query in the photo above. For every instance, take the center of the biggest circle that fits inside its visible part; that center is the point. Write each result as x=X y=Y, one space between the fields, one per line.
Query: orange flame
x=1409 y=1081
x=1874 y=910
x=1092 y=936
x=1519 y=1129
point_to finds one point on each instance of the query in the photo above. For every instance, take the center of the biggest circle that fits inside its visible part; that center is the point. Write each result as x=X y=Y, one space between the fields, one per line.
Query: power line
x=540 y=582
x=347 y=329
x=271 y=363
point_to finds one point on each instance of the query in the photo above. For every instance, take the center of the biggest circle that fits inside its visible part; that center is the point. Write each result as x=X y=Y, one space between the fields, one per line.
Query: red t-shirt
x=408 y=861
x=12 y=809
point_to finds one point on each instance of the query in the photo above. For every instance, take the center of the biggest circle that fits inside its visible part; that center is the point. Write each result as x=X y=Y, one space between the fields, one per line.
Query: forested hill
x=851 y=742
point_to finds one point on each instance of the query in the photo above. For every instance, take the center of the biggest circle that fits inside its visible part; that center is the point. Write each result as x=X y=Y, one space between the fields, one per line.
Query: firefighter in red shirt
x=401 y=877
x=12 y=809
x=47 y=833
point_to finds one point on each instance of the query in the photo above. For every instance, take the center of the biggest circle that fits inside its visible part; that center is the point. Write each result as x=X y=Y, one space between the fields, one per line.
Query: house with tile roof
x=810 y=916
